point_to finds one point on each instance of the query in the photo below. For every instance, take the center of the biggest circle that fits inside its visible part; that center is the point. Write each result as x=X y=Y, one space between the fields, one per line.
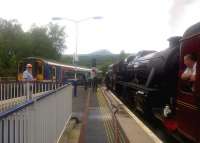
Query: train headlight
x=167 y=111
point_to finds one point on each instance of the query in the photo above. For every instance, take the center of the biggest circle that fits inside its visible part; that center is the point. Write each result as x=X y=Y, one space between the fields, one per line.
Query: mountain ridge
x=101 y=52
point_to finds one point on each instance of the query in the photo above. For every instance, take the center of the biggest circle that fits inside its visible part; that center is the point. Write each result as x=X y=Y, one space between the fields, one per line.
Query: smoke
x=177 y=11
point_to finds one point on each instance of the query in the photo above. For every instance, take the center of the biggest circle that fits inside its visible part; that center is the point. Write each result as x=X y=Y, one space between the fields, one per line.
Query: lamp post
x=77 y=22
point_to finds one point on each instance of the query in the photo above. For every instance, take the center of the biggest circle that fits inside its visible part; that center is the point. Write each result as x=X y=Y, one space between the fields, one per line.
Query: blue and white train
x=47 y=70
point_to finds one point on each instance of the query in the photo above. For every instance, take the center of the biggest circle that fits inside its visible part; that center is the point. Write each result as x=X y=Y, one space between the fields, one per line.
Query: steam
x=177 y=11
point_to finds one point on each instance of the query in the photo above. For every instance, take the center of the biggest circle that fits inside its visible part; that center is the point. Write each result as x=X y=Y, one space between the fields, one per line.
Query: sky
x=129 y=25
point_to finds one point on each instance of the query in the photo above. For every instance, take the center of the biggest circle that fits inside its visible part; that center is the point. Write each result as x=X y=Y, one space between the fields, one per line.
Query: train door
x=20 y=71
x=188 y=109
x=39 y=68
x=58 y=73
x=53 y=73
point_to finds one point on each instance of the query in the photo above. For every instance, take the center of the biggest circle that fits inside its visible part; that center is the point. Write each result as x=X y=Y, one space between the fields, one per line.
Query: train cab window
x=188 y=76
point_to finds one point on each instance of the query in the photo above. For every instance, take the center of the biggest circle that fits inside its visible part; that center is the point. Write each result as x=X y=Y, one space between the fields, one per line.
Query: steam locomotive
x=152 y=83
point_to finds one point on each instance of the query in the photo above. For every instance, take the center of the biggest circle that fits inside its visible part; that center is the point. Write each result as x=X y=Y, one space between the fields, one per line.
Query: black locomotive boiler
x=149 y=80
x=155 y=78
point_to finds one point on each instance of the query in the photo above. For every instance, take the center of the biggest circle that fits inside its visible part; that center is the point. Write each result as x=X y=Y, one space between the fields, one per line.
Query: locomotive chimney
x=174 y=41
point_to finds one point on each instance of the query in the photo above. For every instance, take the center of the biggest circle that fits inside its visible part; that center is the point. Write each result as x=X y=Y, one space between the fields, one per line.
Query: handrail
x=136 y=86
x=116 y=123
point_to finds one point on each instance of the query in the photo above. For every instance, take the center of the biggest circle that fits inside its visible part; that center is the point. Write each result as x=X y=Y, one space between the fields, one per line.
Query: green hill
x=102 y=60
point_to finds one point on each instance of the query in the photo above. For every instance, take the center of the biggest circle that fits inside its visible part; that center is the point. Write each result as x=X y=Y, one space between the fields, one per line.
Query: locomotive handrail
x=161 y=57
x=142 y=60
x=150 y=77
x=136 y=86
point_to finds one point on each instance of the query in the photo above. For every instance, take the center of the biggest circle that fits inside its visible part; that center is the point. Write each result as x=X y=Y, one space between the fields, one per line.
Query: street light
x=76 y=22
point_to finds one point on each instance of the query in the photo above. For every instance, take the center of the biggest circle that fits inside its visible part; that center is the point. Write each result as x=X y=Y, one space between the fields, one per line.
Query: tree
x=10 y=42
x=57 y=37
x=15 y=44
x=47 y=42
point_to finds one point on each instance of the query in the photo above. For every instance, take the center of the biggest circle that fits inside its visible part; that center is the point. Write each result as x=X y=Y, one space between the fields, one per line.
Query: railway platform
x=105 y=119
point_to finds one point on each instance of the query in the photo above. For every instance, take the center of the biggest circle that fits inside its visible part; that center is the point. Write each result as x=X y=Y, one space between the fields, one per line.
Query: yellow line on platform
x=106 y=118
x=122 y=137
x=106 y=126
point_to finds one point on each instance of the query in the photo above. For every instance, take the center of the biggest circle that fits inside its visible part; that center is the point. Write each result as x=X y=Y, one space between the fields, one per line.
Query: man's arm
x=185 y=75
x=193 y=78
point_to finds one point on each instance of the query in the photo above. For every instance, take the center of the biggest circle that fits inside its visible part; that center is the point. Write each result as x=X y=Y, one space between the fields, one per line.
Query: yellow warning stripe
x=106 y=125
x=121 y=133
x=107 y=118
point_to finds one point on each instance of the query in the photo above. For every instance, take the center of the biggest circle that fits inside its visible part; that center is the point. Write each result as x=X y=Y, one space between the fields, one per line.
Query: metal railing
x=38 y=120
x=13 y=93
x=117 y=133
x=10 y=78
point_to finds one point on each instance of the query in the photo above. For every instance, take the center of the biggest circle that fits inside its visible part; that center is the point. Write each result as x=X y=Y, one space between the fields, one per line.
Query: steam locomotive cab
x=188 y=101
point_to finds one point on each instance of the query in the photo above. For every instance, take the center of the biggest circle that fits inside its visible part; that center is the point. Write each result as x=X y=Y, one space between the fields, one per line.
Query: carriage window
x=69 y=75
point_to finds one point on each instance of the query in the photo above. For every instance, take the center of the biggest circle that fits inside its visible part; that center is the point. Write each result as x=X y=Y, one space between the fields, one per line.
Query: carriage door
x=20 y=71
x=39 y=71
x=188 y=111
x=54 y=73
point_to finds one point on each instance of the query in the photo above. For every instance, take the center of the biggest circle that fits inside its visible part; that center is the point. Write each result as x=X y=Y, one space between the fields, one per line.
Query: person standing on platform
x=27 y=74
x=28 y=77
x=93 y=79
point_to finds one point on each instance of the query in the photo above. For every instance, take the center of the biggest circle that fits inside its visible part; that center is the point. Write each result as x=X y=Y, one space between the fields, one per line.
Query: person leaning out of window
x=189 y=75
x=190 y=72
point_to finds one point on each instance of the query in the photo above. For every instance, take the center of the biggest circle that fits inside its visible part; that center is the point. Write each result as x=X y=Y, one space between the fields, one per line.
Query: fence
x=37 y=120
x=13 y=93
x=116 y=133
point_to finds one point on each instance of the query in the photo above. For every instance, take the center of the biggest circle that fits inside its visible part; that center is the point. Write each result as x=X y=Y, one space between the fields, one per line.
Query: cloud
x=177 y=11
